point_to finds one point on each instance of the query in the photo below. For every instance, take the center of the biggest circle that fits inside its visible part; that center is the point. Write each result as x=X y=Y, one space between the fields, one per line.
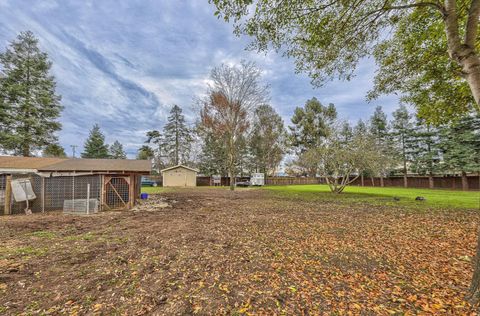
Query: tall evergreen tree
x=311 y=124
x=460 y=145
x=346 y=133
x=177 y=138
x=379 y=125
x=54 y=150
x=267 y=139
x=213 y=157
x=424 y=150
x=116 y=151
x=402 y=128
x=29 y=106
x=380 y=131
x=95 y=146
x=145 y=152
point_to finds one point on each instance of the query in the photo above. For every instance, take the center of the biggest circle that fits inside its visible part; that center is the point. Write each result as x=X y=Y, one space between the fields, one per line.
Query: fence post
x=43 y=195
x=73 y=193
x=8 y=195
x=88 y=198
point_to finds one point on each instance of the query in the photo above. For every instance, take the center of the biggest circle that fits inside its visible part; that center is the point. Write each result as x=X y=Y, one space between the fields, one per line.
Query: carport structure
x=109 y=183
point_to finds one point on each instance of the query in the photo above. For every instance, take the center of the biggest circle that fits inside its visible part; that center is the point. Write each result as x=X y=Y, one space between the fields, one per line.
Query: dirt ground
x=248 y=252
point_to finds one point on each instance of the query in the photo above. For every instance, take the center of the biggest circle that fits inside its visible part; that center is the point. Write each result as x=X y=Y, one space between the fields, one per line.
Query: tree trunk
x=464 y=181
x=232 y=181
x=373 y=181
x=382 y=183
x=474 y=292
x=26 y=150
x=471 y=66
x=405 y=180
x=361 y=180
x=430 y=181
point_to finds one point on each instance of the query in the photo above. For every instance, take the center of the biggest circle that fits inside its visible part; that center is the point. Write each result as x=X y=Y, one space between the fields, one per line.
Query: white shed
x=179 y=176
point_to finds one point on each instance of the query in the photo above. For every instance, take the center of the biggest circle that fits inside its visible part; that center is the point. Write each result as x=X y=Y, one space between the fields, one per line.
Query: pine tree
x=424 y=150
x=177 y=138
x=54 y=150
x=346 y=133
x=145 y=152
x=213 y=157
x=116 y=151
x=379 y=129
x=402 y=128
x=29 y=106
x=460 y=146
x=95 y=146
x=311 y=124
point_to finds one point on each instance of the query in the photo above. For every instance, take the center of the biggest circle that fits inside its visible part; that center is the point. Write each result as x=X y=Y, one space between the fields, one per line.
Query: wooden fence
x=439 y=182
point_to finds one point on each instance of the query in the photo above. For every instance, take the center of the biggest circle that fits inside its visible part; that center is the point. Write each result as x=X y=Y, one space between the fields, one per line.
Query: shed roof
x=75 y=164
x=179 y=166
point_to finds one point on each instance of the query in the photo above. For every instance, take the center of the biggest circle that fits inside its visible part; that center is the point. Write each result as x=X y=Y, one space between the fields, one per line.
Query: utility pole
x=73 y=150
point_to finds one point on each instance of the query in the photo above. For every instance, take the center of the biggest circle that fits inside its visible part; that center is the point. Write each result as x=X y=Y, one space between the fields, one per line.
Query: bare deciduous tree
x=341 y=162
x=233 y=95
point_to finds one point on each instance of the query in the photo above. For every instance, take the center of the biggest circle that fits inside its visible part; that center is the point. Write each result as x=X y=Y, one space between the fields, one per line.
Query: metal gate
x=117 y=192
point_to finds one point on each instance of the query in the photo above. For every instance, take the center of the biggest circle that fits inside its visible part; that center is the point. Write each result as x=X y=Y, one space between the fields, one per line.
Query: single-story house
x=179 y=176
x=54 y=183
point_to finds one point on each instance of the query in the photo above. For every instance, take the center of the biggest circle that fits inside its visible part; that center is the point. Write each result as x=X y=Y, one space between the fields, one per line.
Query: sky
x=123 y=64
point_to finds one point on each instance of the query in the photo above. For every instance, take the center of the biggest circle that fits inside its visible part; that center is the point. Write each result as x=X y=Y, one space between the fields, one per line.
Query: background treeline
x=229 y=138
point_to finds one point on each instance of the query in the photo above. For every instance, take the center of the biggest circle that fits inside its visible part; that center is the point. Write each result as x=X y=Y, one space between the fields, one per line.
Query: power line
x=74 y=147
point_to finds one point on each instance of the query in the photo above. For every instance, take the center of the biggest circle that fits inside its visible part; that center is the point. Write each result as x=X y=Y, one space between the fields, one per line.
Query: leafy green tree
x=460 y=146
x=402 y=129
x=54 y=150
x=29 y=106
x=327 y=38
x=95 y=146
x=311 y=124
x=145 y=153
x=267 y=139
x=415 y=63
x=116 y=151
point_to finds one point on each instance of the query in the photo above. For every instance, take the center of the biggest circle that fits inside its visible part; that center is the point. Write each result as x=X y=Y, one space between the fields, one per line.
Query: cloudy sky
x=123 y=64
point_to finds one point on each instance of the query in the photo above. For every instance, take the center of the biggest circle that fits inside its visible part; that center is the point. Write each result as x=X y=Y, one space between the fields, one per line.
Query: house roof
x=75 y=164
x=9 y=162
x=179 y=166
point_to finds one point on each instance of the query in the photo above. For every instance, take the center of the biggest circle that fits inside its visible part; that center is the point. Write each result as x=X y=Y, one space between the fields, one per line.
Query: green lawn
x=374 y=195
x=154 y=190
x=378 y=195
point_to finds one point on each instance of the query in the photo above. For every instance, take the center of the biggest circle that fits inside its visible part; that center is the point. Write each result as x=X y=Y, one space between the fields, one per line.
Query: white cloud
x=123 y=64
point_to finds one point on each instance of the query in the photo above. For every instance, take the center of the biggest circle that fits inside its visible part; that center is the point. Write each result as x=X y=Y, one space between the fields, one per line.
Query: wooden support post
x=8 y=196
x=43 y=195
x=131 y=191
x=102 y=192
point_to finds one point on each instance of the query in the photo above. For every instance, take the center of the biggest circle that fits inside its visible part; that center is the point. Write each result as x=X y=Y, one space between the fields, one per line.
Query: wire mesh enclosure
x=117 y=190
x=52 y=192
